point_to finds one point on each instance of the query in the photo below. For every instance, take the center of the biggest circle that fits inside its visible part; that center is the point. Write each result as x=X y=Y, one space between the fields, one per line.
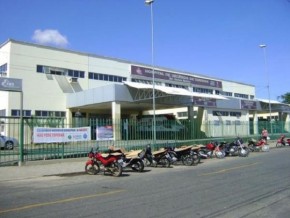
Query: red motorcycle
x=103 y=162
x=256 y=145
x=213 y=149
x=282 y=141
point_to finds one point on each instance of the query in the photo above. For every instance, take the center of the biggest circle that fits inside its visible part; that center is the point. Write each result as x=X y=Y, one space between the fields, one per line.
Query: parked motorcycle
x=156 y=158
x=257 y=145
x=196 y=154
x=107 y=163
x=213 y=149
x=129 y=159
x=237 y=148
x=282 y=141
x=182 y=154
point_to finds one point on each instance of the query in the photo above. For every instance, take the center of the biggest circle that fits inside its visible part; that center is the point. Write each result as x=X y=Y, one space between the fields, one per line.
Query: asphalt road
x=255 y=186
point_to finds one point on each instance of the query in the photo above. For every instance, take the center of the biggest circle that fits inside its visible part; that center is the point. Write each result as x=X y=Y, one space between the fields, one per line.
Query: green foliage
x=285 y=98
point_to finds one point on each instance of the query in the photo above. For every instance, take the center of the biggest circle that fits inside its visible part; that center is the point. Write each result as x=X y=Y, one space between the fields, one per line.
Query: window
x=228 y=122
x=16 y=113
x=3 y=112
x=3 y=70
x=39 y=69
x=216 y=122
x=144 y=81
x=202 y=90
x=106 y=77
x=238 y=95
x=220 y=113
x=40 y=113
x=176 y=85
x=60 y=71
x=235 y=114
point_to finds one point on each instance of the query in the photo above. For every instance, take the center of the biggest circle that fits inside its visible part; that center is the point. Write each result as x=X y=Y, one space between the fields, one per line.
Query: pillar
x=190 y=112
x=255 y=123
x=116 y=119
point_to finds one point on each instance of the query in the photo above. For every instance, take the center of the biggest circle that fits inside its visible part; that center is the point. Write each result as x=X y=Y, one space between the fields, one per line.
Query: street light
x=263 y=46
x=150 y=3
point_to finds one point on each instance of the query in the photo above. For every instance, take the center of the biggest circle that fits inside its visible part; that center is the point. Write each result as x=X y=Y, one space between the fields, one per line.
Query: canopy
x=172 y=90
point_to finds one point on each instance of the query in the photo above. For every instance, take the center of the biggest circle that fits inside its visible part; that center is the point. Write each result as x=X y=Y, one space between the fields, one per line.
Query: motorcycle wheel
x=196 y=158
x=164 y=162
x=220 y=154
x=187 y=160
x=243 y=152
x=265 y=148
x=251 y=148
x=278 y=144
x=116 y=169
x=92 y=168
x=138 y=166
x=204 y=154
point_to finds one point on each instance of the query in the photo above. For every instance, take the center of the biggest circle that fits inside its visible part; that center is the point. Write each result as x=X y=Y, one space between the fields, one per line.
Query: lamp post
x=263 y=46
x=150 y=3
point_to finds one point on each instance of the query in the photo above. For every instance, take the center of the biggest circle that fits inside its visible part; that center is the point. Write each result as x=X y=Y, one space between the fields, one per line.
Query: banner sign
x=54 y=135
x=10 y=84
x=202 y=102
x=104 y=133
x=164 y=75
x=251 y=105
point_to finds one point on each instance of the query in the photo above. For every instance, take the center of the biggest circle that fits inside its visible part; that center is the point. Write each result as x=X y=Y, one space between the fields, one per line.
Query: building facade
x=63 y=83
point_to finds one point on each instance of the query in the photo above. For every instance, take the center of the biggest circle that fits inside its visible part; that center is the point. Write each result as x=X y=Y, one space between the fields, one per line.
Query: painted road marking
x=229 y=169
x=59 y=201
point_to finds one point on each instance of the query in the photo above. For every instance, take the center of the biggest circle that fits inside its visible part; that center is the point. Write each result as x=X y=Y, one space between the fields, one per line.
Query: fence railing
x=133 y=135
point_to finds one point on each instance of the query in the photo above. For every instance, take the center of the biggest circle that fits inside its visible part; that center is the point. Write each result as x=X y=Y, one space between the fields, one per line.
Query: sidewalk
x=34 y=169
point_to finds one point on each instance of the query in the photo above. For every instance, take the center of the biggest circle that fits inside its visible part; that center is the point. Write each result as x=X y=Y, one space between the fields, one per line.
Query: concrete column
x=190 y=112
x=116 y=118
x=286 y=118
x=198 y=122
x=255 y=123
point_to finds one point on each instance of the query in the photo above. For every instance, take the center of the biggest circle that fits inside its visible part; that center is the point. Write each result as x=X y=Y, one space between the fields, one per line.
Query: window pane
x=39 y=68
x=76 y=73
x=70 y=73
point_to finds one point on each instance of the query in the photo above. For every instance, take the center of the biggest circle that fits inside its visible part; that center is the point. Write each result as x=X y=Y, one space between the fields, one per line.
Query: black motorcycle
x=129 y=159
x=236 y=148
x=183 y=155
x=157 y=158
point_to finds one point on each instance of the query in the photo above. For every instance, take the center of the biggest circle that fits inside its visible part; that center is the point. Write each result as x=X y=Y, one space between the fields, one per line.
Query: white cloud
x=50 y=37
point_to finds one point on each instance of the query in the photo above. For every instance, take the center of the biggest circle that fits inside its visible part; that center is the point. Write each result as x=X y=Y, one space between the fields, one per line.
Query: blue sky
x=217 y=38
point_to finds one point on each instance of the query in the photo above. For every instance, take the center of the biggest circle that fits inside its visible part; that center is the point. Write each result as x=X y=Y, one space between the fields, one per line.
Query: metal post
x=21 y=159
x=150 y=2
x=263 y=46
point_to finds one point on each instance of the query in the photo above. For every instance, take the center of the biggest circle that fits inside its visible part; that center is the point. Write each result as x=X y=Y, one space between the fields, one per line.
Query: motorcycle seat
x=132 y=154
x=183 y=148
x=111 y=154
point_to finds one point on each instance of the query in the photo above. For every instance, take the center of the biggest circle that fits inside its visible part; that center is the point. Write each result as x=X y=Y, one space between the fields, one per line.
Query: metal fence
x=133 y=135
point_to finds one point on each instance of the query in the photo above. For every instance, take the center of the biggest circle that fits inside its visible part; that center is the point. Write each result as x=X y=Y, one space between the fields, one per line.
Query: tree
x=285 y=98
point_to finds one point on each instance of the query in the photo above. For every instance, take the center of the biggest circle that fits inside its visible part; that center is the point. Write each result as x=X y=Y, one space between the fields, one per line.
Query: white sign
x=55 y=135
x=104 y=133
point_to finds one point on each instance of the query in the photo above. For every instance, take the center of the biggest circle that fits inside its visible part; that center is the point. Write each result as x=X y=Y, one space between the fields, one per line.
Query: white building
x=59 y=82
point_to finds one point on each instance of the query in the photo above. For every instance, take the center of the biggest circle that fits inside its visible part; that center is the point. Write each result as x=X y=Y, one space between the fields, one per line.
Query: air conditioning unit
x=73 y=80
